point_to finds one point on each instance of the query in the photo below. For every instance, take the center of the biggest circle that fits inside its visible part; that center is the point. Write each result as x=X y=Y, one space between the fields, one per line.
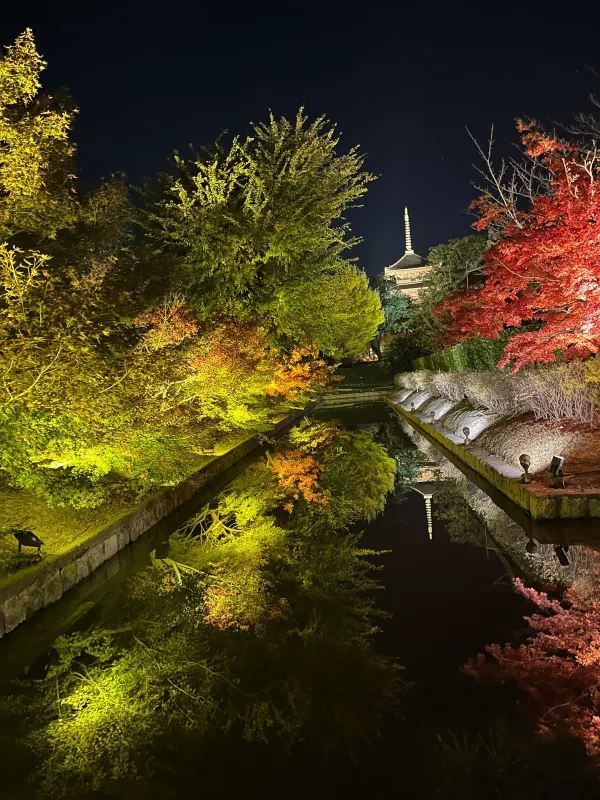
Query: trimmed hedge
x=472 y=355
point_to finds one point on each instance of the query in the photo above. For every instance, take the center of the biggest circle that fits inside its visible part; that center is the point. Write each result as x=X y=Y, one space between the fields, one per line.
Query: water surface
x=257 y=652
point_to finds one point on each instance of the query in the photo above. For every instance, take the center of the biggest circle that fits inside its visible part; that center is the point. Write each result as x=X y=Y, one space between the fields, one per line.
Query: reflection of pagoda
x=426 y=484
x=411 y=272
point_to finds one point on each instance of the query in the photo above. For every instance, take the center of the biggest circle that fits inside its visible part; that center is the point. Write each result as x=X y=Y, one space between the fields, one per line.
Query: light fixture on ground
x=557 y=476
x=525 y=462
x=531 y=546
x=27 y=538
x=562 y=555
x=162 y=549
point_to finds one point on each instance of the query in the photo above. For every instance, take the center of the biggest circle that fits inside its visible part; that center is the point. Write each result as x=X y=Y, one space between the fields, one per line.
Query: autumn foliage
x=557 y=668
x=298 y=475
x=166 y=326
x=300 y=371
x=544 y=269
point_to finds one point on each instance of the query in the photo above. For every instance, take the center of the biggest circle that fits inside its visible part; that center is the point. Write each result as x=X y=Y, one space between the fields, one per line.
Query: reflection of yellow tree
x=249 y=636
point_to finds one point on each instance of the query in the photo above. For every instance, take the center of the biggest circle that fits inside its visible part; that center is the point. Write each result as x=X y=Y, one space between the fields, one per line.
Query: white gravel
x=465 y=416
x=416 y=400
x=540 y=440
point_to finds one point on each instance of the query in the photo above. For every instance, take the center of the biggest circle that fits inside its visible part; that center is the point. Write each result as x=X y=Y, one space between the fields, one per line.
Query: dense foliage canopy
x=134 y=339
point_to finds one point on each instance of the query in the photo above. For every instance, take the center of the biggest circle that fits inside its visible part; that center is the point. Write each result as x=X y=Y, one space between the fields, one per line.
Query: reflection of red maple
x=558 y=668
x=546 y=266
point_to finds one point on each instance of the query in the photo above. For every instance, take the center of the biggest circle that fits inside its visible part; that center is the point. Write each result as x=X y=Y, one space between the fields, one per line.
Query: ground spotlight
x=525 y=462
x=562 y=555
x=27 y=538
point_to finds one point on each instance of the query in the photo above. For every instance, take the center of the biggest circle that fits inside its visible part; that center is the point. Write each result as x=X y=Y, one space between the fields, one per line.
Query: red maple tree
x=545 y=267
x=557 y=669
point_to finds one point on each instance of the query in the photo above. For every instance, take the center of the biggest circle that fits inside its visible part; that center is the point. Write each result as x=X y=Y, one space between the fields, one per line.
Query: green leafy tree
x=125 y=356
x=263 y=214
x=455 y=264
x=337 y=313
x=397 y=309
x=37 y=194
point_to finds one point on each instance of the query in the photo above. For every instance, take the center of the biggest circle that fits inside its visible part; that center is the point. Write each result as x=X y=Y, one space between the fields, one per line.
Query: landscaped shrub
x=471 y=355
x=549 y=392
x=423 y=379
x=495 y=391
x=592 y=379
x=557 y=392
x=447 y=386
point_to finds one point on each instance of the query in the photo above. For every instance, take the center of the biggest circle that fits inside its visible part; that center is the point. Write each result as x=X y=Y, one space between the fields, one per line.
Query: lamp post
x=466 y=433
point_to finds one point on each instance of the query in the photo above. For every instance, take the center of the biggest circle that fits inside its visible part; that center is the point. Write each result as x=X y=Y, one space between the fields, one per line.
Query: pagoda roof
x=409 y=260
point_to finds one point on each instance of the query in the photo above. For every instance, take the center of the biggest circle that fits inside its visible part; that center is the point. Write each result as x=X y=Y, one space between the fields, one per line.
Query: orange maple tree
x=544 y=270
x=298 y=475
x=299 y=371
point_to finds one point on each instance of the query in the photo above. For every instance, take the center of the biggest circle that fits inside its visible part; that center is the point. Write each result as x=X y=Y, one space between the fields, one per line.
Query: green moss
x=594 y=507
x=60 y=528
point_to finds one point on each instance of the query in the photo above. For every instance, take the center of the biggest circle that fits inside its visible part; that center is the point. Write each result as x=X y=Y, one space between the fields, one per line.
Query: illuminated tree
x=37 y=193
x=264 y=215
x=338 y=313
x=544 y=270
x=454 y=266
x=127 y=353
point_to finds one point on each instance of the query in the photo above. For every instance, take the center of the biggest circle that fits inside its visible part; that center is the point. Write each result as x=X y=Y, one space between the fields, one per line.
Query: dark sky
x=402 y=80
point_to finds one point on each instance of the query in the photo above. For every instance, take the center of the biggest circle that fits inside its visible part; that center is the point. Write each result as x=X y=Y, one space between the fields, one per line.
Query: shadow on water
x=298 y=696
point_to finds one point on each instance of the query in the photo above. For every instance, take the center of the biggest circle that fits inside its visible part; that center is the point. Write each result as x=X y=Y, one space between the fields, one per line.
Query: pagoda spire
x=407 y=232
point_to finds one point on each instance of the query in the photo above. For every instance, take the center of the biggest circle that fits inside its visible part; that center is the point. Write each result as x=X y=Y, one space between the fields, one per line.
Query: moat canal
x=257 y=652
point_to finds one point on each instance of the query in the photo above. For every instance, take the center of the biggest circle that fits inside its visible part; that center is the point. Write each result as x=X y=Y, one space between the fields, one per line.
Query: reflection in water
x=556 y=661
x=255 y=623
x=242 y=629
x=556 y=553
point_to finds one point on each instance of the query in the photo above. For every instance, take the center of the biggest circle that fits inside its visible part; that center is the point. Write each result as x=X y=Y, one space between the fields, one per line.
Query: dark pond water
x=257 y=654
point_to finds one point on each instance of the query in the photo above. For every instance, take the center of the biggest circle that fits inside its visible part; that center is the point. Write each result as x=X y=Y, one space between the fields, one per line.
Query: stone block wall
x=45 y=585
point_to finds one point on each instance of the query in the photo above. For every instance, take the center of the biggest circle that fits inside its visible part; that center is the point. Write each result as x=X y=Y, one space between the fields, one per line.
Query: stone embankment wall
x=347 y=397
x=51 y=579
x=428 y=414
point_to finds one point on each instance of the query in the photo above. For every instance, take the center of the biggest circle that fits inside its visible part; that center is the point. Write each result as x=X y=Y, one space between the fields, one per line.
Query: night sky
x=402 y=80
